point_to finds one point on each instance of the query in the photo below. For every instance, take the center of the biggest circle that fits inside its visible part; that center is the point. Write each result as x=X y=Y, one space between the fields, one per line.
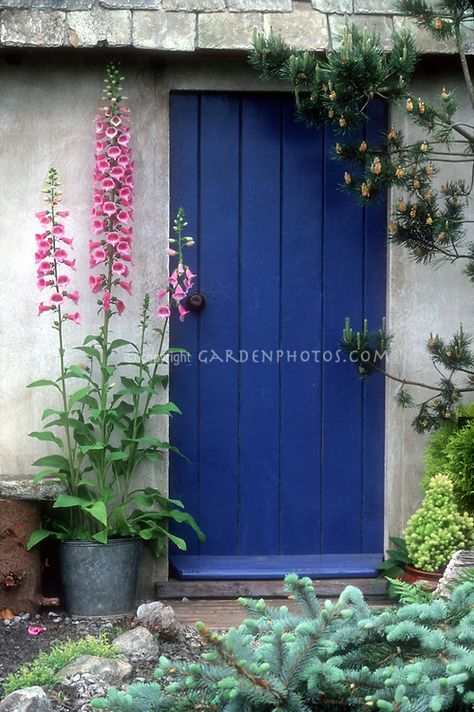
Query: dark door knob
x=196 y=303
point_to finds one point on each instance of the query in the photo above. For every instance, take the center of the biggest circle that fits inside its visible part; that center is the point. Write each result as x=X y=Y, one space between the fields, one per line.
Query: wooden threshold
x=224 y=613
x=176 y=589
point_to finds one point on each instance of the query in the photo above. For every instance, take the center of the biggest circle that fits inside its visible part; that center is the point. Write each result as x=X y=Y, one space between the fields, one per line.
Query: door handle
x=196 y=302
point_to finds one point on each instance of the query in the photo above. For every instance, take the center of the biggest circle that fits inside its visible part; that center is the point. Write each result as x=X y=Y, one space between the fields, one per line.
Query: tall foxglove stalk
x=112 y=215
x=52 y=257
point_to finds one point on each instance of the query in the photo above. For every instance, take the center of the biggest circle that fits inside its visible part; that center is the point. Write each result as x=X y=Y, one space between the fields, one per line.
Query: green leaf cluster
x=42 y=671
x=450 y=450
x=105 y=431
x=332 y=656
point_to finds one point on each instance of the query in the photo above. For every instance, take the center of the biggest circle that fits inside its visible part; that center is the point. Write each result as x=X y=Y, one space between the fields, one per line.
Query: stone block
x=32 y=28
x=382 y=24
x=226 y=30
x=260 y=5
x=194 y=5
x=175 y=31
x=23 y=488
x=19 y=4
x=424 y=41
x=62 y=4
x=304 y=28
x=366 y=7
x=131 y=4
x=332 y=6
x=100 y=27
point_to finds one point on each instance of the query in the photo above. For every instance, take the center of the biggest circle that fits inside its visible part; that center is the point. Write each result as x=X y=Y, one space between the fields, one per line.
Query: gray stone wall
x=190 y=25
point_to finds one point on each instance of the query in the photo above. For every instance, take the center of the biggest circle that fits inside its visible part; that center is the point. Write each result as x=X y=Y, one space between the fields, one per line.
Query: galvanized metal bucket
x=100 y=579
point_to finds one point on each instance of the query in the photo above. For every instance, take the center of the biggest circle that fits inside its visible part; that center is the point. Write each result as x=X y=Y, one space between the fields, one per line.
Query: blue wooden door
x=285 y=444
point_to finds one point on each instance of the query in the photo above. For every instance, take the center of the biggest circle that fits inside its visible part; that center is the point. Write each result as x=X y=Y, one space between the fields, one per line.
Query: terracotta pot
x=412 y=575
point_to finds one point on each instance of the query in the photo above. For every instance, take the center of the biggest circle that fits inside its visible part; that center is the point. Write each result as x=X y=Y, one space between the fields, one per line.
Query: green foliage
x=335 y=89
x=409 y=592
x=459 y=452
x=450 y=450
x=108 y=426
x=335 y=656
x=42 y=671
x=437 y=529
x=366 y=349
x=429 y=215
x=393 y=564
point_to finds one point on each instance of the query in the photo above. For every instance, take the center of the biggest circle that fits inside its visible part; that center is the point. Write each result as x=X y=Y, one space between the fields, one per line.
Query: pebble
x=76 y=693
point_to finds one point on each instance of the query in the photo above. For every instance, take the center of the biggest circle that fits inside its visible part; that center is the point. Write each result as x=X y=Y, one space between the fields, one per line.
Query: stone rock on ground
x=158 y=618
x=30 y=699
x=110 y=671
x=137 y=644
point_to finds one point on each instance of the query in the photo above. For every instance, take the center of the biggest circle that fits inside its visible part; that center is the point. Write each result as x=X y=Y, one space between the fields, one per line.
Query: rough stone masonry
x=193 y=25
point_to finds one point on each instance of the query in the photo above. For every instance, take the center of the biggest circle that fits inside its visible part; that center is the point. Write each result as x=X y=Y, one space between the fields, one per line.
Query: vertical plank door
x=284 y=442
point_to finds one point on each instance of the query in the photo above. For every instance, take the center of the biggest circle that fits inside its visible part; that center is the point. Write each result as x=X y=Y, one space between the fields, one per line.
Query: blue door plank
x=301 y=301
x=218 y=411
x=184 y=143
x=275 y=567
x=259 y=298
x=342 y=447
x=374 y=388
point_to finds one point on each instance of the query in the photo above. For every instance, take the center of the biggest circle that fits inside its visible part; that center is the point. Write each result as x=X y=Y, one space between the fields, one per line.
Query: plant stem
x=104 y=381
x=136 y=399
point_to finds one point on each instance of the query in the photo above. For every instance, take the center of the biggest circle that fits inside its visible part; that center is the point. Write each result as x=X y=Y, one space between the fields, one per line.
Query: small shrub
x=334 y=657
x=43 y=669
x=437 y=529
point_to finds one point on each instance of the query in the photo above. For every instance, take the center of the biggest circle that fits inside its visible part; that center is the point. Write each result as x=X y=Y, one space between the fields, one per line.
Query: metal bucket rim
x=110 y=542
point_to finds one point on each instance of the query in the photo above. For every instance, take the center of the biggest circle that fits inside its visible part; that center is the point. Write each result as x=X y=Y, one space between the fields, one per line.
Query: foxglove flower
x=51 y=256
x=181 y=278
x=113 y=197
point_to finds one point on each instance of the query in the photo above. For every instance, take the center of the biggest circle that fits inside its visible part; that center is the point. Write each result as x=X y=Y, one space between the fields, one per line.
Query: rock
x=138 y=644
x=158 y=618
x=30 y=699
x=24 y=487
x=110 y=671
x=459 y=564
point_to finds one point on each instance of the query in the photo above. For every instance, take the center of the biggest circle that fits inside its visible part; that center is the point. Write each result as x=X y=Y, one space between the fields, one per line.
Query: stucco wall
x=421 y=299
x=47 y=117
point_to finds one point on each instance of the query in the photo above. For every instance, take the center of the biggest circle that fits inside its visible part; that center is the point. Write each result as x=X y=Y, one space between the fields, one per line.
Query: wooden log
x=261 y=589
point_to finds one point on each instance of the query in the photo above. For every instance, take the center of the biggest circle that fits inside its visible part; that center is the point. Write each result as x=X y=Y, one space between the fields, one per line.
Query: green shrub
x=437 y=529
x=459 y=451
x=435 y=458
x=450 y=451
x=42 y=670
x=334 y=657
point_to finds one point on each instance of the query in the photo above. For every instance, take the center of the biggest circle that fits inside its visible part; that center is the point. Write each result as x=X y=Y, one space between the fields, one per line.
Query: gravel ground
x=17 y=647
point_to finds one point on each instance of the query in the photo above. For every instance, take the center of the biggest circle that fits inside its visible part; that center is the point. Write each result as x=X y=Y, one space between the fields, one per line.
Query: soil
x=18 y=647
